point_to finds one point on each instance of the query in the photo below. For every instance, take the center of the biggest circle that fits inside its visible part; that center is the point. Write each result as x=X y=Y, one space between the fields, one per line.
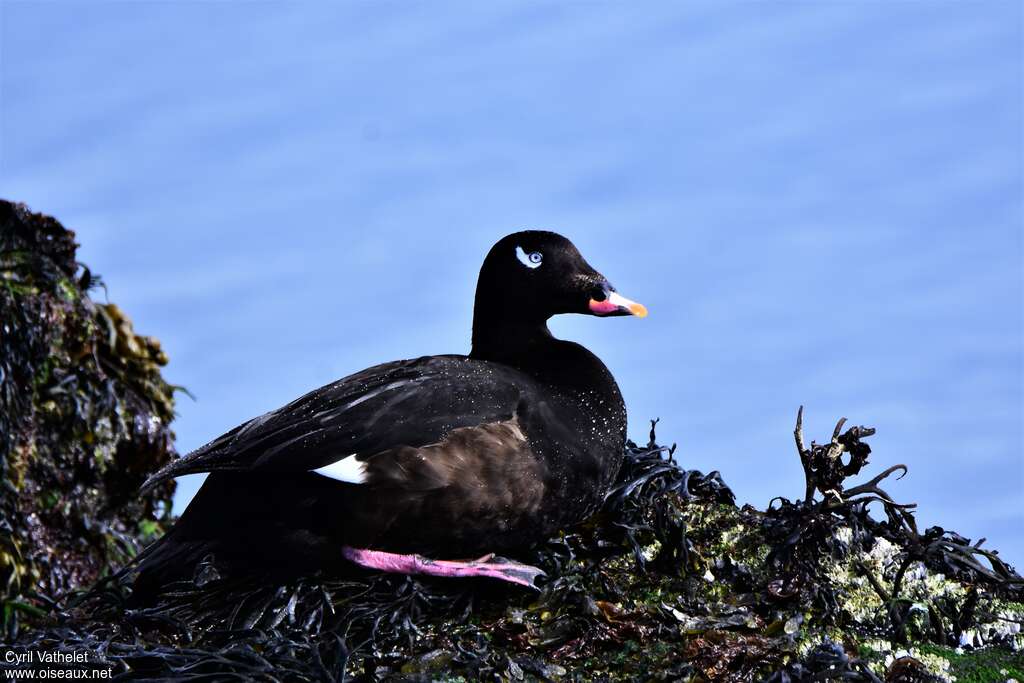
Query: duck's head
x=533 y=275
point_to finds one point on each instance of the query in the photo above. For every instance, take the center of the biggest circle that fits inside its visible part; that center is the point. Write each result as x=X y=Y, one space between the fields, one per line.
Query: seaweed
x=669 y=580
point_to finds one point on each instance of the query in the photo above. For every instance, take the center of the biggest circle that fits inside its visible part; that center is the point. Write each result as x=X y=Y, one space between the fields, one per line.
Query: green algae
x=980 y=666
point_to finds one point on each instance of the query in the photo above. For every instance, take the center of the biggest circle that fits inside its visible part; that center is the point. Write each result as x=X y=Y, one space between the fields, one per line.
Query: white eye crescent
x=531 y=260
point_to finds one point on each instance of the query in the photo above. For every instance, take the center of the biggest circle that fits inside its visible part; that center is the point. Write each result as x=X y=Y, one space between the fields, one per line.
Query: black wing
x=404 y=403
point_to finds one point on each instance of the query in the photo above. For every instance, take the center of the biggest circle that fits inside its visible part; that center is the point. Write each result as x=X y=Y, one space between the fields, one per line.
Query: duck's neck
x=528 y=345
x=512 y=342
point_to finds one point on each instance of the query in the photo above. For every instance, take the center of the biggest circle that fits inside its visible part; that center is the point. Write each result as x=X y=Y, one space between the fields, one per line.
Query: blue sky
x=820 y=203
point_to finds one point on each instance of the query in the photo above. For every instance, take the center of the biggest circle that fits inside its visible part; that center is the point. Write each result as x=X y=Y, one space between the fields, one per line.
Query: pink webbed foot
x=522 y=574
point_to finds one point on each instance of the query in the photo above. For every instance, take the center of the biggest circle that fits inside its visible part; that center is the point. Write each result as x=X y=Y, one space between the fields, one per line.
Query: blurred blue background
x=820 y=203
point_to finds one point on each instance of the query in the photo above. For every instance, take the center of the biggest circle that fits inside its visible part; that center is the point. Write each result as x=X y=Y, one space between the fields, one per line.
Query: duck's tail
x=166 y=561
x=244 y=523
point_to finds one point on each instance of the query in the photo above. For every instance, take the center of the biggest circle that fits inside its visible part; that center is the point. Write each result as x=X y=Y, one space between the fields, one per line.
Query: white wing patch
x=348 y=469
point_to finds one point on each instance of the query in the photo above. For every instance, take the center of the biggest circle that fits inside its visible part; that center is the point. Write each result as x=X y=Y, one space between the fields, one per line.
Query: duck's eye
x=531 y=260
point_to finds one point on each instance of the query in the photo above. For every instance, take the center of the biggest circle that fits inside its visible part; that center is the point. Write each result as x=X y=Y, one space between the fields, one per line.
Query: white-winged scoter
x=439 y=457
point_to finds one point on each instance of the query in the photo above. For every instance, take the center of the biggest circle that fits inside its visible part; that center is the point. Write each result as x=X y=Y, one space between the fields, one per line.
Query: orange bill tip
x=639 y=310
x=616 y=304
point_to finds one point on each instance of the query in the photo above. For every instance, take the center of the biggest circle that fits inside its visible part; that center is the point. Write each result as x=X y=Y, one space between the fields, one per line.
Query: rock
x=84 y=416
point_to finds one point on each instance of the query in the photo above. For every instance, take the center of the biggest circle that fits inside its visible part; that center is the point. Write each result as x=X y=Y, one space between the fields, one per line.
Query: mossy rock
x=84 y=416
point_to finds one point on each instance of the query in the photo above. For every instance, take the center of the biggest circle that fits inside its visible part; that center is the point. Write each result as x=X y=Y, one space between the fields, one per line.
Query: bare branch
x=838 y=429
x=798 y=433
x=805 y=456
x=872 y=485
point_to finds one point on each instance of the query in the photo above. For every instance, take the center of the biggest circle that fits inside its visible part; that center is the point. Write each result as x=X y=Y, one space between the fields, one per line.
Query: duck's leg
x=523 y=574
